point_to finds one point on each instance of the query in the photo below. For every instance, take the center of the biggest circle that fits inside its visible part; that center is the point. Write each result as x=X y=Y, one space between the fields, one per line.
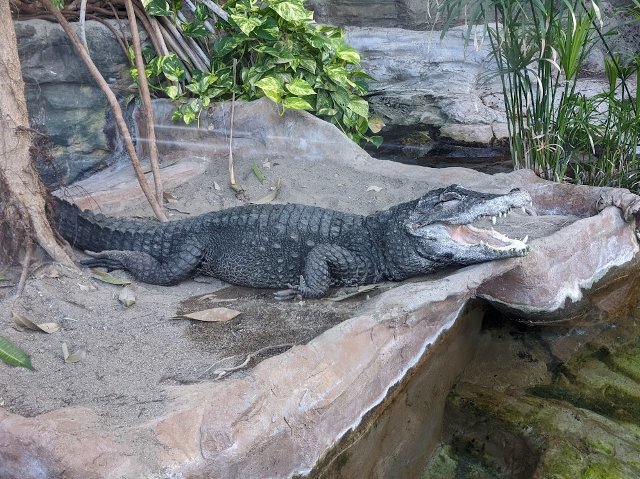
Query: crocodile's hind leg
x=147 y=268
x=321 y=263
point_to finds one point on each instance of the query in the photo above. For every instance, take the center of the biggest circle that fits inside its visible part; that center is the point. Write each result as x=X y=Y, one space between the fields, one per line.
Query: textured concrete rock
x=328 y=402
x=64 y=101
x=409 y=14
x=552 y=402
x=602 y=243
x=423 y=80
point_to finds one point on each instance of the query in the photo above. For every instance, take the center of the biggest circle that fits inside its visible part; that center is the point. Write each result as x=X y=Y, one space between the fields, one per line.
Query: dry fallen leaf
x=53 y=273
x=107 y=278
x=84 y=287
x=212 y=315
x=27 y=323
x=127 y=297
x=49 y=273
x=72 y=358
x=375 y=188
x=269 y=197
x=169 y=197
x=363 y=289
x=376 y=123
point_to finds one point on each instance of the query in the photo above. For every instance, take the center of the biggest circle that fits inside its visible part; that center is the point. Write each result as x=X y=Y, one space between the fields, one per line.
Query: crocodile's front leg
x=326 y=264
x=146 y=268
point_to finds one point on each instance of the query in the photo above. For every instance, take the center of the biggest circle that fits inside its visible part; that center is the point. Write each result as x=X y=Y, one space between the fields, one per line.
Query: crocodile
x=304 y=248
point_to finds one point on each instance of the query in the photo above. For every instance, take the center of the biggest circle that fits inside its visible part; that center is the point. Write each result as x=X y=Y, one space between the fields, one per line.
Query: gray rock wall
x=64 y=101
x=425 y=85
x=423 y=81
x=410 y=14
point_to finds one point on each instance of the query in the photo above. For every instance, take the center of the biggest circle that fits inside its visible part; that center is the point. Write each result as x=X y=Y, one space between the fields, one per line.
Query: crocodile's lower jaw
x=469 y=235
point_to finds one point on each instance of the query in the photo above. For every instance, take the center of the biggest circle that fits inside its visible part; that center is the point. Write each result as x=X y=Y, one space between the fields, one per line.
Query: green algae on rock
x=581 y=421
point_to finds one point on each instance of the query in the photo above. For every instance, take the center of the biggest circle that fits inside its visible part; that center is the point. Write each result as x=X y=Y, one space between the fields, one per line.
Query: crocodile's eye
x=450 y=198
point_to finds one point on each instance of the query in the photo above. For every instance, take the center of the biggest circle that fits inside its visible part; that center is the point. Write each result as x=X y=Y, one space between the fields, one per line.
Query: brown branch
x=183 y=50
x=25 y=271
x=217 y=9
x=155 y=27
x=142 y=16
x=196 y=48
x=81 y=20
x=232 y=174
x=146 y=102
x=117 y=17
x=118 y=38
x=113 y=102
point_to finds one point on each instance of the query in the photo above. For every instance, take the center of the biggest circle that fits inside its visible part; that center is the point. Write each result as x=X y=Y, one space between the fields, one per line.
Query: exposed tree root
x=115 y=106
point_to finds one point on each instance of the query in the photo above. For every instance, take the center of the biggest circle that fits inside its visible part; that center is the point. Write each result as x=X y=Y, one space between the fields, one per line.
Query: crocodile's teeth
x=524 y=210
x=493 y=220
x=525 y=239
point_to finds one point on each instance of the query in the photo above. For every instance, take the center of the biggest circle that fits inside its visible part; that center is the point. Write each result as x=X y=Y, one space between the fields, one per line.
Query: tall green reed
x=540 y=47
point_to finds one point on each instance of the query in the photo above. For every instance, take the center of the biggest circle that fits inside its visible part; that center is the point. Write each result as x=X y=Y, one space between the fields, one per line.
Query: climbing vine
x=269 y=48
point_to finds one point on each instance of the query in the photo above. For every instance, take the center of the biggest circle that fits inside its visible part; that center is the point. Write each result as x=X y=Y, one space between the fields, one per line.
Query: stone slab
x=294 y=412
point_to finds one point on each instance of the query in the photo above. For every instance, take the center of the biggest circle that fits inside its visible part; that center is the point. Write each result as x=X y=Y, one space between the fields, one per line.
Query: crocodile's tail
x=79 y=228
x=96 y=232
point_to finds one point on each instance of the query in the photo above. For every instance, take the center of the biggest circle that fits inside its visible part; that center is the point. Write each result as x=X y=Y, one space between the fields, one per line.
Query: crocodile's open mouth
x=472 y=236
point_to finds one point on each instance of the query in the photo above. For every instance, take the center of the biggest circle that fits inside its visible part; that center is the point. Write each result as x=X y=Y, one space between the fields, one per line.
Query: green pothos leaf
x=359 y=106
x=271 y=87
x=202 y=12
x=348 y=54
x=293 y=12
x=158 y=8
x=172 y=91
x=375 y=140
x=300 y=87
x=246 y=24
x=296 y=103
x=194 y=29
x=13 y=355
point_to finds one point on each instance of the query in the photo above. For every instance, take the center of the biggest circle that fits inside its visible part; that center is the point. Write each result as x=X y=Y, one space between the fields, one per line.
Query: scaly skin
x=275 y=246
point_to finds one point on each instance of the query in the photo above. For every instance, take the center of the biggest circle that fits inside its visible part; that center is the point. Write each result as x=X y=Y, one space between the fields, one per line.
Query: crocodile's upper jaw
x=442 y=223
x=489 y=242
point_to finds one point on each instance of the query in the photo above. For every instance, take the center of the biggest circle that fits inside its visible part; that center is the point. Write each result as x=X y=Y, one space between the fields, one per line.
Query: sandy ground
x=131 y=353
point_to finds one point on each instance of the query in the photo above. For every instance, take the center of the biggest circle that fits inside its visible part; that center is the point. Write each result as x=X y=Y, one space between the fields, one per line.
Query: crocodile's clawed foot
x=627 y=202
x=101 y=260
x=286 y=294
x=293 y=292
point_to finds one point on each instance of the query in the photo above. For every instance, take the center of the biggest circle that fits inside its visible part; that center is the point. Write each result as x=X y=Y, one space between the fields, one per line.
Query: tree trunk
x=22 y=195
